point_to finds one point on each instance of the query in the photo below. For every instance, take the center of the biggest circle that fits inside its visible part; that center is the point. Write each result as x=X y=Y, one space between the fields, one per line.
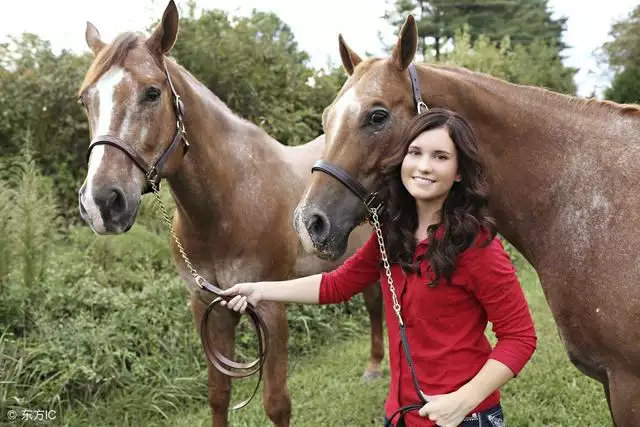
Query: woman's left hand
x=447 y=410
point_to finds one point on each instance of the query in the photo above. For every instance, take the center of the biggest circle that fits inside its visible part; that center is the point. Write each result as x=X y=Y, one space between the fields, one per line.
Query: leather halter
x=369 y=198
x=151 y=172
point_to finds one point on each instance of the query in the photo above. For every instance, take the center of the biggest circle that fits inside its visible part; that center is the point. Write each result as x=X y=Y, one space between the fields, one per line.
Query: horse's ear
x=92 y=36
x=405 y=49
x=166 y=33
x=349 y=58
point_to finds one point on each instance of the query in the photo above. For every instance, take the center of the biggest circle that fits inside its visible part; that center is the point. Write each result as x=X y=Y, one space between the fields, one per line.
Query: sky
x=315 y=25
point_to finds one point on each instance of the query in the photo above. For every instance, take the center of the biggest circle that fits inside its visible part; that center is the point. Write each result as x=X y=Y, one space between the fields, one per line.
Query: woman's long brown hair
x=464 y=213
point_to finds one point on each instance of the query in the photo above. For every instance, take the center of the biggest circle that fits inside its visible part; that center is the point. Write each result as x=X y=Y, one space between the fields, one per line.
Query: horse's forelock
x=111 y=55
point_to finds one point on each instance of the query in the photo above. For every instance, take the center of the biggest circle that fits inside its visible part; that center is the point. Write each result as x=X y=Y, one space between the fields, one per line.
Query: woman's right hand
x=245 y=293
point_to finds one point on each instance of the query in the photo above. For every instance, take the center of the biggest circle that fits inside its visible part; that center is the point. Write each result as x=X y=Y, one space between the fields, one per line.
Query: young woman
x=451 y=276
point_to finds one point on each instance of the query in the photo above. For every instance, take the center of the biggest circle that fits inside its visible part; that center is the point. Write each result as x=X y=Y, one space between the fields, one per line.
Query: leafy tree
x=622 y=54
x=532 y=65
x=524 y=21
x=255 y=66
x=625 y=87
x=624 y=48
x=37 y=94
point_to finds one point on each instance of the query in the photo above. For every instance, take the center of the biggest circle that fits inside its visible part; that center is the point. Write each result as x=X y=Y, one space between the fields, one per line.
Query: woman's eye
x=378 y=117
x=152 y=94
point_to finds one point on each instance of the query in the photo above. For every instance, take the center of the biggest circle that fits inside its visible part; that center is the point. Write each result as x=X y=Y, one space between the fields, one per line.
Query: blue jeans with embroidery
x=492 y=417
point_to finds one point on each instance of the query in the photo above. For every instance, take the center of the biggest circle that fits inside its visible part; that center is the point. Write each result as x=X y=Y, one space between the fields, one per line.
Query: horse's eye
x=152 y=94
x=81 y=102
x=378 y=117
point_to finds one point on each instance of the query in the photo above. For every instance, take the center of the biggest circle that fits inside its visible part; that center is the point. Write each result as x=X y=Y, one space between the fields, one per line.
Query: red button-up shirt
x=445 y=325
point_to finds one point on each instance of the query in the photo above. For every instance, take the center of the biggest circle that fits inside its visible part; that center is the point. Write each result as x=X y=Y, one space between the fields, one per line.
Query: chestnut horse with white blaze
x=564 y=176
x=235 y=189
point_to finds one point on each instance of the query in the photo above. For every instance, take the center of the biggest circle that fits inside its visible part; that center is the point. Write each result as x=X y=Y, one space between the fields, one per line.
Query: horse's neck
x=224 y=155
x=528 y=138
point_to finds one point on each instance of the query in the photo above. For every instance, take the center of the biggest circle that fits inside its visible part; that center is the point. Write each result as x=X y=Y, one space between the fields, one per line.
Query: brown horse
x=564 y=175
x=235 y=190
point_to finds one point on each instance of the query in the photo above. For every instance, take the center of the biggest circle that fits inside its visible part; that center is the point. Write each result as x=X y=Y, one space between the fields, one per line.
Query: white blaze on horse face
x=347 y=105
x=105 y=89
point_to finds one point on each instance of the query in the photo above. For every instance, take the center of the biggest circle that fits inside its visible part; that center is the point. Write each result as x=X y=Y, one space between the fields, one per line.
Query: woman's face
x=430 y=166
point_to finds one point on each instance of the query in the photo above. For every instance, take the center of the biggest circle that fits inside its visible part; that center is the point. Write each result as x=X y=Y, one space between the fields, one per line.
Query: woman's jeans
x=492 y=417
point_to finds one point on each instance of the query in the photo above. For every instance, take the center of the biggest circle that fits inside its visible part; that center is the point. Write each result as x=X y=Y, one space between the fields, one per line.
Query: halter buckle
x=178 y=104
x=180 y=125
x=152 y=175
x=371 y=199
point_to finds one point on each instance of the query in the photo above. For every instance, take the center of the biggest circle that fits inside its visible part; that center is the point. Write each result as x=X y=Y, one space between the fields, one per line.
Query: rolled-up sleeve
x=496 y=286
x=353 y=276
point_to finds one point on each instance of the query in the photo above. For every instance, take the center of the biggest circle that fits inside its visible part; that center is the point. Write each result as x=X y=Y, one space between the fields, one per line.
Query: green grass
x=326 y=388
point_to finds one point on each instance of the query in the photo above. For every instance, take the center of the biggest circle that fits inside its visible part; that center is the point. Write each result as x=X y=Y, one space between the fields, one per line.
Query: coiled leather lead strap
x=225 y=365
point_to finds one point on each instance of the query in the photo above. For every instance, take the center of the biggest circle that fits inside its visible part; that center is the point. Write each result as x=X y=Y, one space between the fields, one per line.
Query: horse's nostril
x=117 y=201
x=112 y=200
x=318 y=227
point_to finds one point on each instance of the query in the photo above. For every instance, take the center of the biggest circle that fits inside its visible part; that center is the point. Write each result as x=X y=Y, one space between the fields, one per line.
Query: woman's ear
x=458 y=178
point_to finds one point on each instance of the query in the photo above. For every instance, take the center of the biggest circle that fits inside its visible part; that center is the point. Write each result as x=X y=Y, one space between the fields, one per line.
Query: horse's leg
x=221 y=333
x=373 y=301
x=275 y=397
x=624 y=391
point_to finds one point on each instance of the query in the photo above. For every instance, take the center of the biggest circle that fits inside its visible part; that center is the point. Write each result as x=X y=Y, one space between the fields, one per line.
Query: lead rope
x=218 y=360
x=400 y=413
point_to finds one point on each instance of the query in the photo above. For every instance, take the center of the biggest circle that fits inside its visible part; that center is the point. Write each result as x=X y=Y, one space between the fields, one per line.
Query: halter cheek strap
x=415 y=86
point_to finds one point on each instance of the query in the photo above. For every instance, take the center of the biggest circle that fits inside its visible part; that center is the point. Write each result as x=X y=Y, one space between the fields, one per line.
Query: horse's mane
x=623 y=109
x=112 y=54
x=610 y=107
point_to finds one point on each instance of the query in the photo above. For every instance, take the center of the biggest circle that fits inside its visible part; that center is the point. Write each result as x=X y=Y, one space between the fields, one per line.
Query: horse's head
x=132 y=110
x=368 y=114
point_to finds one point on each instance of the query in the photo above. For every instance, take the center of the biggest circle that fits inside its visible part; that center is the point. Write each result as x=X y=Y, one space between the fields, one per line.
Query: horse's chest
x=225 y=272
